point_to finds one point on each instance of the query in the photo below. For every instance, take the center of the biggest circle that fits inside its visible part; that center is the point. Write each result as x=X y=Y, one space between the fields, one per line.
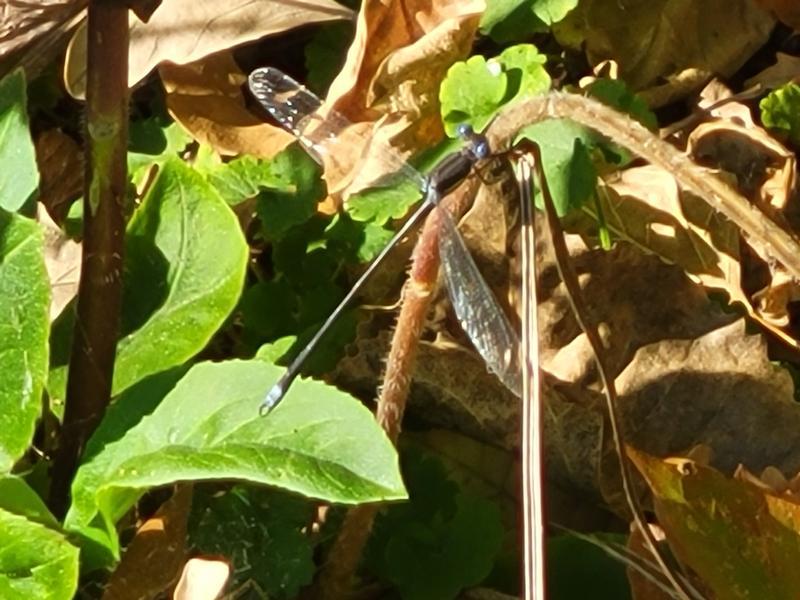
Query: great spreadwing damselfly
x=479 y=314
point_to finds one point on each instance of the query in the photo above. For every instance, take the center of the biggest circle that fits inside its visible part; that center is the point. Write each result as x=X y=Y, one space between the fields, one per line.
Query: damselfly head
x=478 y=145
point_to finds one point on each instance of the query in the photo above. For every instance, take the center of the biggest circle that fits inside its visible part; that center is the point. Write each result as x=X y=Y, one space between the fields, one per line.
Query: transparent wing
x=324 y=133
x=298 y=110
x=478 y=312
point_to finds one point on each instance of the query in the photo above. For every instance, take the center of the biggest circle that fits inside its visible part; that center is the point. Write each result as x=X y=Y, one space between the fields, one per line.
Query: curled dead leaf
x=206 y=98
x=653 y=41
x=393 y=70
x=214 y=26
x=33 y=32
x=60 y=162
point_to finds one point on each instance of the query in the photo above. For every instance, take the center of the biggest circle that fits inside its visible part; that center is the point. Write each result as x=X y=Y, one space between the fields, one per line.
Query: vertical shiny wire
x=532 y=447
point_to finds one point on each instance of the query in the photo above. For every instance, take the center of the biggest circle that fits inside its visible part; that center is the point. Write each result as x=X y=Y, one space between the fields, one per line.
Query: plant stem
x=94 y=339
x=344 y=557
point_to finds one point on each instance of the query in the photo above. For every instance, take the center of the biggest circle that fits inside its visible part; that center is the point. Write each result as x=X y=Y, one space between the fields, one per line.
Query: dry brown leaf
x=711 y=101
x=32 y=32
x=153 y=560
x=184 y=31
x=765 y=172
x=694 y=379
x=785 y=70
x=202 y=579
x=645 y=206
x=721 y=390
x=400 y=54
x=62 y=258
x=787 y=11
x=60 y=162
x=654 y=40
x=206 y=98
x=764 y=169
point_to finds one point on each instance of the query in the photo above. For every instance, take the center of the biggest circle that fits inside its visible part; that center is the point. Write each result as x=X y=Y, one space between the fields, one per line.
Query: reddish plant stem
x=337 y=576
x=94 y=342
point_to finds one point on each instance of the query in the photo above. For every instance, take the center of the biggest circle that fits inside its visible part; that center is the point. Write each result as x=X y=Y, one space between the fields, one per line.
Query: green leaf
x=527 y=76
x=568 y=166
x=17 y=497
x=24 y=322
x=515 y=20
x=19 y=176
x=35 y=562
x=360 y=242
x=244 y=518
x=440 y=542
x=380 y=205
x=244 y=177
x=780 y=111
x=184 y=267
x=153 y=142
x=280 y=210
x=474 y=90
x=471 y=93
x=616 y=93
x=319 y=442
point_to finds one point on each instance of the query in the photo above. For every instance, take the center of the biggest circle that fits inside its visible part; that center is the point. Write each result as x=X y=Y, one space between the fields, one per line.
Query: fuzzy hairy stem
x=337 y=576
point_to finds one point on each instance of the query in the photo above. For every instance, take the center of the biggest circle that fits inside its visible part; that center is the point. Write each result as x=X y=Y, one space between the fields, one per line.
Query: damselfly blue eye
x=480 y=148
x=464 y=130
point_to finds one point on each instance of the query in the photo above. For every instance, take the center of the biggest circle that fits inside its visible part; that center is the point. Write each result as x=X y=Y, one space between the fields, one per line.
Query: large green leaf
x=319 y=442
x=19 y=176
x=24 y=304
x=35 y=562
x=184 y=268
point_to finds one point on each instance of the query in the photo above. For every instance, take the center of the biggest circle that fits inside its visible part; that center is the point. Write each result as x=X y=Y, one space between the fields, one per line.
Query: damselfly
x=298 y=110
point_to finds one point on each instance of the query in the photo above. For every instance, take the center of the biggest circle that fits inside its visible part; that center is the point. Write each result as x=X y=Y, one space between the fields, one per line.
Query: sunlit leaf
x=208 y=427
x=24 y=327
x=19 y=176
x=184 y=269
x=35 y=562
